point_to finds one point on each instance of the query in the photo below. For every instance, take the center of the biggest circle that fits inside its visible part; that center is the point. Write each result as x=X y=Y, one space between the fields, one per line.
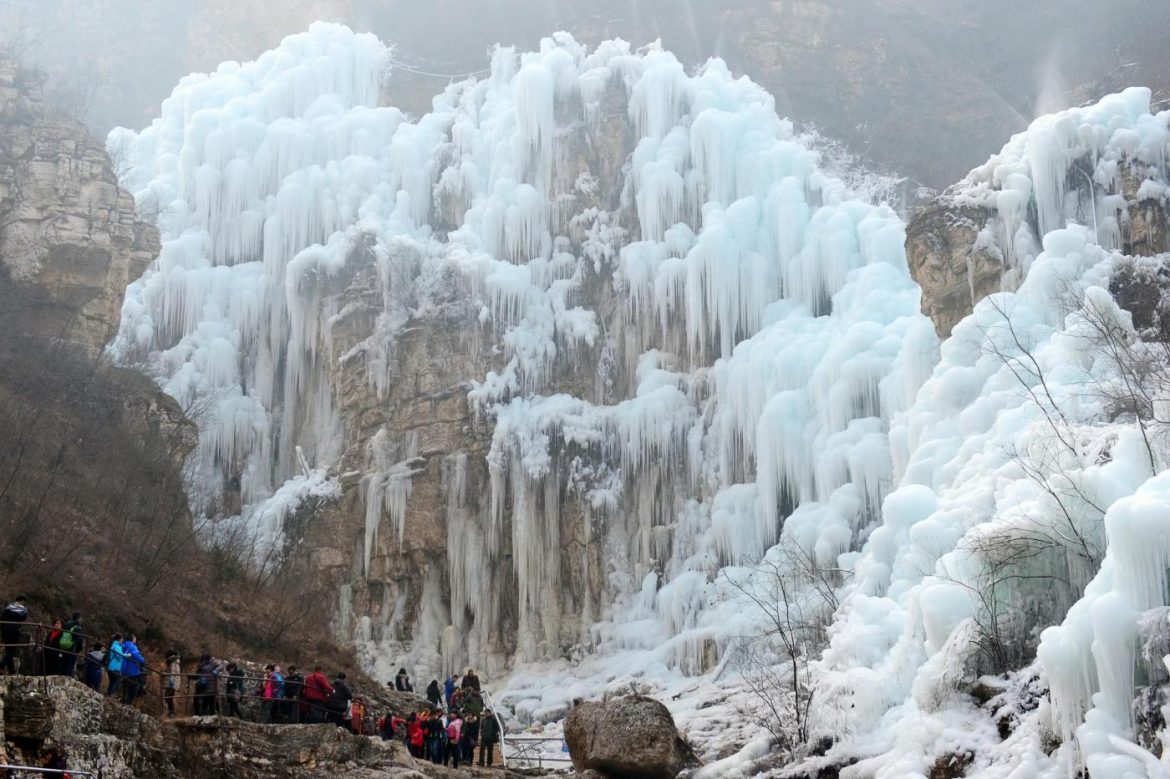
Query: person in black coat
x=489 y=736
x=339 y=700
x=12 y=631
x=402 y=681
x=434 y=694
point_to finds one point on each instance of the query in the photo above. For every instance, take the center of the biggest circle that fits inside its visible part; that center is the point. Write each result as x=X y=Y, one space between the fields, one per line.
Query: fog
x=924 y=88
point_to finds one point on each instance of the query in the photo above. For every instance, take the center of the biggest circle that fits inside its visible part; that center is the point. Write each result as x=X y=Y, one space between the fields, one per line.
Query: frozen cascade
x=764 y=377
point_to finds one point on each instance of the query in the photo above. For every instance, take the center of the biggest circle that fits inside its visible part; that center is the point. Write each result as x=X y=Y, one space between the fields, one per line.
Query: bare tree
x=794 y=597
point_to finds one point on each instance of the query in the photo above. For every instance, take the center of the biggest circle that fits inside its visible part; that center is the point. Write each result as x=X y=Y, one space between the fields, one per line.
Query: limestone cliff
x=93 y=509
x=981 y=235
x=66 y=228
x=423 y=416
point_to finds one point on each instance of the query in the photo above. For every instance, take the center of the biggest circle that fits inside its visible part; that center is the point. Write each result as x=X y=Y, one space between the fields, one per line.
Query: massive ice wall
x=686 y=348
x=1028 y=490
x=758 y=319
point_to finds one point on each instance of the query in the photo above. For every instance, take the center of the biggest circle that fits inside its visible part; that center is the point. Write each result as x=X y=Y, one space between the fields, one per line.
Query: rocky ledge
x=95 y=734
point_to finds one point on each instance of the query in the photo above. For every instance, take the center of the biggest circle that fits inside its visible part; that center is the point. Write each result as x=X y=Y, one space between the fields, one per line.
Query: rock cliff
x=981 y=235
x=93 y=509
x=394 y=579
x=66 y=227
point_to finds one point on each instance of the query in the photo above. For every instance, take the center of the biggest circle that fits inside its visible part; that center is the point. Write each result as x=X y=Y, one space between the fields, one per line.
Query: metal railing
x=21 y=769
x=526 y=750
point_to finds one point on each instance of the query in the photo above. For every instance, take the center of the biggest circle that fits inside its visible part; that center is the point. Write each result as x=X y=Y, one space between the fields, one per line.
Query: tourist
x=339 y=700
x=273 y=690
x=449 y=689
x=469 y=737
x=205 y=684
x=114 y=659
x=434 y=695
x=435 y=733
x=471 y=680
x=317 y=692
x=94 y=662
x=133 y=664
x=402 y=681
x=12 y=632
x=234 y=690
x=414 y=736
x=294 y=684
x=454 y=731
x=357 y=717
x=174 y=672
x=72 y=644
x=51 y=651
x=489 y=736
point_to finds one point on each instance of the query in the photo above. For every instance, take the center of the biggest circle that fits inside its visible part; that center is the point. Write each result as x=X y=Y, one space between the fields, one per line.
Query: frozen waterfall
x=764 y=375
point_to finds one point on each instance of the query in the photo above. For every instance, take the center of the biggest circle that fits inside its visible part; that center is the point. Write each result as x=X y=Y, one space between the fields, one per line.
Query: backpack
x=67 y=637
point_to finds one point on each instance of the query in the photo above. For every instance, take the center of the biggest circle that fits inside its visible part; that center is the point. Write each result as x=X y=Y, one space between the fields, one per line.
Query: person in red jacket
x=414 y=736
x=316 y=693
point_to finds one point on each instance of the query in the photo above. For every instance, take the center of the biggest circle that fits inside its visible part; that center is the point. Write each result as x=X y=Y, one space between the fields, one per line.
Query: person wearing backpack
x=114 y=660
x=12 y=631
x=72 y=645
x=51 y=656
x=205 y=687
x=234 y=690
x=95 y=661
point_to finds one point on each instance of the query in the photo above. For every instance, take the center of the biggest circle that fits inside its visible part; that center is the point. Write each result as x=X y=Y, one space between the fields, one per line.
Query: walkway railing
x=23 y=769
x=526 y=751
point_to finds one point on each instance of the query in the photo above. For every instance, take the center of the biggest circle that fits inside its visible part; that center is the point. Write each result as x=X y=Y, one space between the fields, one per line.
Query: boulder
x=632 y=737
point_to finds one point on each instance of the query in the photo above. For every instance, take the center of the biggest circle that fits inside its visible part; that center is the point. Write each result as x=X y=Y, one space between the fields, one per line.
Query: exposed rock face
x=424 y=415
x=959 y=249
x=65 y=225
x=954 y=273
x=632 y=738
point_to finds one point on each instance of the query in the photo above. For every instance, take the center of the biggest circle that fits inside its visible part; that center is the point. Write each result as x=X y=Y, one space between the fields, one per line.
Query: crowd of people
x=448 y=732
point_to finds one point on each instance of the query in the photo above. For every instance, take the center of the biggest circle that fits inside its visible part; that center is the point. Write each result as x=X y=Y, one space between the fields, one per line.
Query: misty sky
x=927 y=88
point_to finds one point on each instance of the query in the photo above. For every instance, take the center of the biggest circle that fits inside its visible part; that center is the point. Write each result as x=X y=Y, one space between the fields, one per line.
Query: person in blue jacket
x=114 y=664
x=449 y=689
x=133 y=664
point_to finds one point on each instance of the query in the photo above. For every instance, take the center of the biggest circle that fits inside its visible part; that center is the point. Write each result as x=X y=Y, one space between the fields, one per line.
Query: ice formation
x=765 y=380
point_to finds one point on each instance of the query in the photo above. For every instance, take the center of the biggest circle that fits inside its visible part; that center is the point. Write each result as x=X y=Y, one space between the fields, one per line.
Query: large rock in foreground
x=632 y=738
